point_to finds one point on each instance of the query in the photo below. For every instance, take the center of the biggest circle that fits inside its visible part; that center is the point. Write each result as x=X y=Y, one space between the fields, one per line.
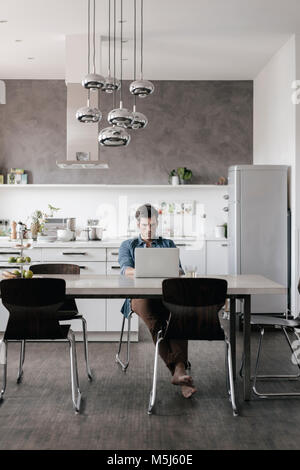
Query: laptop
x=156 y=262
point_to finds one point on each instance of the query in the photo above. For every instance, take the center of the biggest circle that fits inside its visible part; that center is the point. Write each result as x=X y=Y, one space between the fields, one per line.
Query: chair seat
x=68 y=310
x=67 y=314
x=70 y=305
x=265 y=320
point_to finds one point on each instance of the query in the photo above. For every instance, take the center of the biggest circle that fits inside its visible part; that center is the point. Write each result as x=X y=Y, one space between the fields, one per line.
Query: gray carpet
x=38 y=414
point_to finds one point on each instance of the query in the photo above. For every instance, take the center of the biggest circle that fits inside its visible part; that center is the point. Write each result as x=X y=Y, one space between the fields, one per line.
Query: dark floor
x=38 y=414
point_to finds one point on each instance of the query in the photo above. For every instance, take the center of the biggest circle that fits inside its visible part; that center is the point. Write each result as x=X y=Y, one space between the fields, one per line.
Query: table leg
x=232 y=335
x=247 y=348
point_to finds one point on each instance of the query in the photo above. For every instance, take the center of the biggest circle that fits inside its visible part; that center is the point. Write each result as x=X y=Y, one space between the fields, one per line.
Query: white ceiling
x=184 y=39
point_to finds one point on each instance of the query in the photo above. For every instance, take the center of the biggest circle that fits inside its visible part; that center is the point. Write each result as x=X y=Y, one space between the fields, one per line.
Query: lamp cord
x=109 y=14
x=89 y=33
x=94 y=36
x=121 y=54
x=134 y=58
x=142 y=36
x=114 y=94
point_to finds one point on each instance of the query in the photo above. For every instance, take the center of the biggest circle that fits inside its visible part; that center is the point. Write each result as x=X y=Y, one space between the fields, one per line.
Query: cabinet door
x=193 y=255
x=114 y=316
x=112 y=254
x=217 y=257
x=78 y=255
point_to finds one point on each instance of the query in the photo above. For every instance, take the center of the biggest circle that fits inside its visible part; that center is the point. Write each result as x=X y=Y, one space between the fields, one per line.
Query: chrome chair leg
x=229 y=374
x=4 y=364
x=86 y=351
x=279 y=377
x=21 y=362
x=76 y=394
x=266 y=377
x=153 y=391
x=124 y=365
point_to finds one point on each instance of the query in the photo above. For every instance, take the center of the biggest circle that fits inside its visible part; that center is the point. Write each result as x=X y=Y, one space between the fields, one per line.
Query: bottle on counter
x=13 y=234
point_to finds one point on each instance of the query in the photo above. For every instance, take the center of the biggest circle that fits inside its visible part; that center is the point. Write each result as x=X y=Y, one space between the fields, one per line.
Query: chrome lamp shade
x=111 y=84
x=141 y=88
x=114 y=137
x=93 y=81
x=88 y=115
x=120 y=117
x=139 y=121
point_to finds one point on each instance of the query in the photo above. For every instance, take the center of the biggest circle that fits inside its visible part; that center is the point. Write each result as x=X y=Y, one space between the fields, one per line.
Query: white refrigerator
x=258 y=228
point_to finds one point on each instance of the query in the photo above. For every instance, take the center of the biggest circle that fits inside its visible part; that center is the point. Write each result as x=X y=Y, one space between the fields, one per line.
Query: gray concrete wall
x=203 y=125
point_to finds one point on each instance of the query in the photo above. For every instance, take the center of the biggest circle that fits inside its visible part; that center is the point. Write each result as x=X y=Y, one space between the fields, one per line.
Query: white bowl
x=65 y=235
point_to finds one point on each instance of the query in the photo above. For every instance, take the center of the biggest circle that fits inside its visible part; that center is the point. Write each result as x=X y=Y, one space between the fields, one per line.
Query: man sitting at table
x=173 y=352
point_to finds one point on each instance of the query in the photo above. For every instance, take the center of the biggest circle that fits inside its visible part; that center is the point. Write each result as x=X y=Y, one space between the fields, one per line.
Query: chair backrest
x=32 y=306
x=194 y=305
x=55 y=268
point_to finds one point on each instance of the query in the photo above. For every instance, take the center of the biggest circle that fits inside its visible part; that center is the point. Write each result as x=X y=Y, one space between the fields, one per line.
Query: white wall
x=111 y=205
x=275 y=142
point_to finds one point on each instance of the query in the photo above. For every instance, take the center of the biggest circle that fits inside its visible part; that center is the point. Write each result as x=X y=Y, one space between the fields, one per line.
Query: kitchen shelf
x=111 y=186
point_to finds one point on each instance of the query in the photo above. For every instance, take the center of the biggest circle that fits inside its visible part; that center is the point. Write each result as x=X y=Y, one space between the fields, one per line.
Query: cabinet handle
x=224 y=244
x=226 y=209
x=83 y=267
x=77 y=253
x=226 y=196
x=115 y=267
x=115 y=253
x=183 y=244
x=9 y=252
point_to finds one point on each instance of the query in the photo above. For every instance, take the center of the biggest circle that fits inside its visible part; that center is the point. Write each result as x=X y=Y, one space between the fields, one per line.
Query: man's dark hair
x=146 y=211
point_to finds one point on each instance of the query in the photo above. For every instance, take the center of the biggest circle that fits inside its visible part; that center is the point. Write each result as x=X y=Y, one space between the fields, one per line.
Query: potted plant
x=185 y=175
x=38 y=220
x=173 y=178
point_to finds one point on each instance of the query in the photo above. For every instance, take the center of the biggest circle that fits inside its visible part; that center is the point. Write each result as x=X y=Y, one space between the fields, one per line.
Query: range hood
x=83 y=150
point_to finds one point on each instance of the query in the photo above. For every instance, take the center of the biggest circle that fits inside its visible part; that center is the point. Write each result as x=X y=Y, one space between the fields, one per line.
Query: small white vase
x=174 y=180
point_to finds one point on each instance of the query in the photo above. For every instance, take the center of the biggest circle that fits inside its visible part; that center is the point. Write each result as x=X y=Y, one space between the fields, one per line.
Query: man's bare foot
x=180 y=377
x=188 y=390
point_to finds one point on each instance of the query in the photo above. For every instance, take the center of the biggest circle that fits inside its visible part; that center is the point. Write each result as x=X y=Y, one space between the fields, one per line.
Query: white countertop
x=111 y=243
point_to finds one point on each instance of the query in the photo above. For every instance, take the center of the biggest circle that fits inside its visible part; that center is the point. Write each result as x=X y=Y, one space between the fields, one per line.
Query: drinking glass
x=190 y=271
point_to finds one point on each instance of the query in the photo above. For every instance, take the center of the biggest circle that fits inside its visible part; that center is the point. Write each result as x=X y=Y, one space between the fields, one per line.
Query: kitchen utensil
x=95 y=233
x=84 y=234
x=93 y=222
x=64 y=235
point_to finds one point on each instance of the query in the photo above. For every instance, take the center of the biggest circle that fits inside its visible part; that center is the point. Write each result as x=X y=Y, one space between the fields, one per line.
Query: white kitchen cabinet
x=192 y=255
x=93 y=310
x=114 y=316
x=3 y=317
x=80 y=255
x=112 y=254
x=5 y=253
x=216 y=257
x=113 y=268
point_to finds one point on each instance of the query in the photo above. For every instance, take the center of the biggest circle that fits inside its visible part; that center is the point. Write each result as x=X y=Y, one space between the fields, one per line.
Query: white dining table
x=239 y=287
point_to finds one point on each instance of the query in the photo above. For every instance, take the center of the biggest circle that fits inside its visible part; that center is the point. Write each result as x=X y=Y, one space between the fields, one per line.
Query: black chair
x=68 y=311
x=286 y=325
x=194 y=305
x=33 y=305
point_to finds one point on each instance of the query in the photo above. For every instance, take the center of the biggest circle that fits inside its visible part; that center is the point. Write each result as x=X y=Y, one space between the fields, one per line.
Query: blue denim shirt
x=127 y=258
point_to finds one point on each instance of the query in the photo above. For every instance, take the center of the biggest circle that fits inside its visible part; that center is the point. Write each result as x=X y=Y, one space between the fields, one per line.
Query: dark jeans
x=154 y=314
